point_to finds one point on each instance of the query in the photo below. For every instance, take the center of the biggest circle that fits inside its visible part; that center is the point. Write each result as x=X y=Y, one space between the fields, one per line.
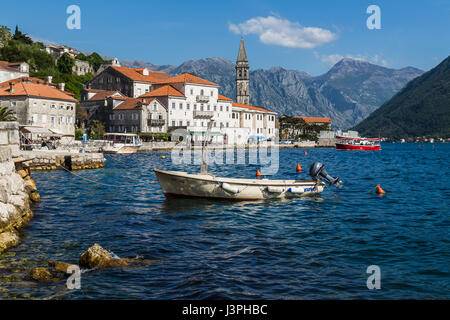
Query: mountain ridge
x=347 y=93
x=421 y=108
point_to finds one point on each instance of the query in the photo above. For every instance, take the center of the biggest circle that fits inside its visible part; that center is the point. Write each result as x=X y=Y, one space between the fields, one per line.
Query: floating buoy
x=163 y=157
x=299 y=169
x=258 y=174
x=379 y=190
x=306 y=153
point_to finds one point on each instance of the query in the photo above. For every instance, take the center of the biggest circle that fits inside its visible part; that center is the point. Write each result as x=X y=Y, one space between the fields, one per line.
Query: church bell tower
x=242 y=76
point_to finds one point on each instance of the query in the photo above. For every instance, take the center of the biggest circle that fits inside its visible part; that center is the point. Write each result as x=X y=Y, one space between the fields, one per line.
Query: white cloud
x=282 y=32
x=332 y=59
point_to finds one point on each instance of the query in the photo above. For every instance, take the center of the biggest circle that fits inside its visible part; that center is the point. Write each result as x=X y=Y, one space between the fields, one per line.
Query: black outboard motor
x=318 y=171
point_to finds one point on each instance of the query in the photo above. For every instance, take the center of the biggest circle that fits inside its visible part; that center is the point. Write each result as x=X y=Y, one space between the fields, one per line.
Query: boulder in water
x=97 y=257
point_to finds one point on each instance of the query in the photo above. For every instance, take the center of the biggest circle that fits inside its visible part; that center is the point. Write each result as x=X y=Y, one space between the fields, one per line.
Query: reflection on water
x=316 y=247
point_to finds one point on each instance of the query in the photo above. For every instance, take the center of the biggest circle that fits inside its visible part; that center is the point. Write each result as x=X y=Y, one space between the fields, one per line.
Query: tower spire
x=242 y=55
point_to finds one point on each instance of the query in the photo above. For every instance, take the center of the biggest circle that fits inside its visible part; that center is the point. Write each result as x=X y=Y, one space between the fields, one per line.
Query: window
x=228 y=124
x=181 y=123
x=202 y=93
x=111 y=117
x=209 y=108
x=201 y=108
x=52 y=122
x=155 y=107
x=212 y=93
x=192 y=92
x=53 y=106
x=181 y=106
x=187 y=106
x=173 y=105
x=173 y=123
x=188 y=123
x=221 y=107
x=228 y=108
x=215 y=108
x=195 y=107
x=13 y=104
x=44 y=118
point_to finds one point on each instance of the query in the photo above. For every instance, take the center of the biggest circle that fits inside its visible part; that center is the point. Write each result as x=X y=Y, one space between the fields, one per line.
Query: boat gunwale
x=249 y=182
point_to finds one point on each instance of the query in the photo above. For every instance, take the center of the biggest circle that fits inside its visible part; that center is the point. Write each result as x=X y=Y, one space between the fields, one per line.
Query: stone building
x=97 y=105
x=138 y=115
x=129 y=81
x=81 y=68
x=39 y=103
x=13 y=70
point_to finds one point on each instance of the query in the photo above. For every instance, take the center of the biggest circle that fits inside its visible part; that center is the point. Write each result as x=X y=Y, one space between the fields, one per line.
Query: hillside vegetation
x=421 y=108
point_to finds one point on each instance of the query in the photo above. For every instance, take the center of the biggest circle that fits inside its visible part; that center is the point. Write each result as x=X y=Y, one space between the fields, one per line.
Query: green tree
x=7 y=115
x=5 y=34
x=97 y=129
x=19 y=36
x=65 y=64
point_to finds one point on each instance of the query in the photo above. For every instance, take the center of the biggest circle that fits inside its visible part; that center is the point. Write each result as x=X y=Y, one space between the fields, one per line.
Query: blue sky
x=302 y=35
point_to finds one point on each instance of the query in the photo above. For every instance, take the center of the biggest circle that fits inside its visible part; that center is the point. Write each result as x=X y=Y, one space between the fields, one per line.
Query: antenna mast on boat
x=204 y=166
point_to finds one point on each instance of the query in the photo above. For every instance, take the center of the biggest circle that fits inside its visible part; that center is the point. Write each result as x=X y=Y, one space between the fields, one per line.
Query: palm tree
x=7 y=115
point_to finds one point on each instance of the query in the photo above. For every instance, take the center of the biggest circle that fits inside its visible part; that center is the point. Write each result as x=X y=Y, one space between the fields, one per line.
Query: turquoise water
x=312 y=248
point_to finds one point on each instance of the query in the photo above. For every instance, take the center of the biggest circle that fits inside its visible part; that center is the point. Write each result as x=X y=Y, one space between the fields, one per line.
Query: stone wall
x=54 y=160
x=17 y=189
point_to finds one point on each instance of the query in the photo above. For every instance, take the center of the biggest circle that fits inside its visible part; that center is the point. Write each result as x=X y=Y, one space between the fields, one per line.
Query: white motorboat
x=182 y=184
x=121 y=143
x=205 y=185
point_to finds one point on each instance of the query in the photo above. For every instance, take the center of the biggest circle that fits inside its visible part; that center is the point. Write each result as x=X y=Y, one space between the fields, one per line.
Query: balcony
x=203 y=114
x=202 y=99
x=156 y=122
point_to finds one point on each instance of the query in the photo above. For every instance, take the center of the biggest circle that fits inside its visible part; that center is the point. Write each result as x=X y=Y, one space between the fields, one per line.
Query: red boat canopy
x=368 y=139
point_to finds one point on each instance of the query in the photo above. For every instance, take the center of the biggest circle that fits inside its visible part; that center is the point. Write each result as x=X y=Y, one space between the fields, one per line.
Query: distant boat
x=121 y=143
x=347 y=143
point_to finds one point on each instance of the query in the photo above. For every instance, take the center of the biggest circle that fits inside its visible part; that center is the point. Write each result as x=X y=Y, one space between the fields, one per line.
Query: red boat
x=346 y=143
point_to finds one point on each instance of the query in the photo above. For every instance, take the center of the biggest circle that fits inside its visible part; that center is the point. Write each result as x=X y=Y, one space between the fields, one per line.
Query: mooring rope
x=87 y=179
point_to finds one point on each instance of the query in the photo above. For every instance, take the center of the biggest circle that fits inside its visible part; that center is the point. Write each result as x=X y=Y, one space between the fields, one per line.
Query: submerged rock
x=40 y=274
x=97 y=257
x=8 y=239
x=59 y=266
x=35 y=197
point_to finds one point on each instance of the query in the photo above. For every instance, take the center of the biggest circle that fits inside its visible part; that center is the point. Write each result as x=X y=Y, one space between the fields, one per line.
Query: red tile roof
x=133 y=74
x=164 y=91
x=188 y=78
x=240 y=105
x=33 y=89
x=10 y=66
x=314 y=119
x=102 y=95
x=221 y=97
x=133 y=103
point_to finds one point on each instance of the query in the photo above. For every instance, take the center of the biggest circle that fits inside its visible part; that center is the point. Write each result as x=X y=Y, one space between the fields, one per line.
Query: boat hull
x=181 y=184
x=341 y=146
x=121 y=150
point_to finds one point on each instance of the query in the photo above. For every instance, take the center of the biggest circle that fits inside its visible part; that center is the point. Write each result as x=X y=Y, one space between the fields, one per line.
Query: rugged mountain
x=347 y=93
x=421 y=108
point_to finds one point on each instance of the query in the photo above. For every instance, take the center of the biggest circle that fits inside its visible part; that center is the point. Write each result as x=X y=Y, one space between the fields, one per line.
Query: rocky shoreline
x=17 y=192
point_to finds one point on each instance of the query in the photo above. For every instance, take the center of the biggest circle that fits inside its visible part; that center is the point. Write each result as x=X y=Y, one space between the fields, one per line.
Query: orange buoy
x=258 y=174
x=299 y=169
x=306 y=153
x=379 y=190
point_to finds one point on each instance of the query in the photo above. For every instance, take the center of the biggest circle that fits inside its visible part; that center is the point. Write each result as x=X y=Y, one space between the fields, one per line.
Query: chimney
x=49 y=79
x=11 y=87
x=61 y=86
